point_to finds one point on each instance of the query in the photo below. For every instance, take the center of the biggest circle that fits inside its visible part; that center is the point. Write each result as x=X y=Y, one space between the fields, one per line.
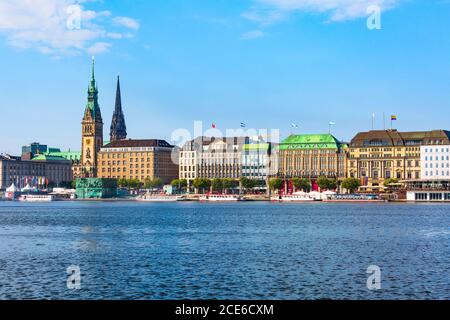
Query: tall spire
x=93 y=108
x=118 y=127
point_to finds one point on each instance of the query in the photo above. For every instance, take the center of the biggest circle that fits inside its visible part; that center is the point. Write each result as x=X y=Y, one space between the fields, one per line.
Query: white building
x=435 y=162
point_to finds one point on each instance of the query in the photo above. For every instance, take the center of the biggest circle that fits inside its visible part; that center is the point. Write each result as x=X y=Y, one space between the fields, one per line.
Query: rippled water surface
x=224 y=251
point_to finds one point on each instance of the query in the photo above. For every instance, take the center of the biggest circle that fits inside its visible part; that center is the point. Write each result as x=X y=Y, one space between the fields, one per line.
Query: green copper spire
x=92 y=107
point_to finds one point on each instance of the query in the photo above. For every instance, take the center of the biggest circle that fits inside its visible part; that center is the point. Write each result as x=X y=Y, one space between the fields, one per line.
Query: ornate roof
x=310 y=141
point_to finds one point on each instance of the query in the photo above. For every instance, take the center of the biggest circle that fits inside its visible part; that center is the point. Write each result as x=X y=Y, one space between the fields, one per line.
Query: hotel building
x=41 y=171
x=311 y=156
x=382 y=154
x=138 y=159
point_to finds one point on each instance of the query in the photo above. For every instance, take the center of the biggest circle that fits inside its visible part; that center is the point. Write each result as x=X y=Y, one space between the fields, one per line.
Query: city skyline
x=307 y=67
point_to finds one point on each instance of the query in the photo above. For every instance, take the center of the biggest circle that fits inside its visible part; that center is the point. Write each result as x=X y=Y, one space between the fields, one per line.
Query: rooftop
x=310 y=141
x=396 y=138
x=130 y=143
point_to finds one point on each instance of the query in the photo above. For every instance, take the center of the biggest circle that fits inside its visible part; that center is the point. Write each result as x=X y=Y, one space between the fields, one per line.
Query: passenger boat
x=220 y=198
x=158 y=198
x=354 y=198
x=36 y=198
x=293 y=198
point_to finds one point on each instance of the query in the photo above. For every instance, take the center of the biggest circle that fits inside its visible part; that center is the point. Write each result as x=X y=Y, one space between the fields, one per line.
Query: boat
x=220 y=198
x=293 y=198
x=353 y=198
x=36 y=198
x=158 y=198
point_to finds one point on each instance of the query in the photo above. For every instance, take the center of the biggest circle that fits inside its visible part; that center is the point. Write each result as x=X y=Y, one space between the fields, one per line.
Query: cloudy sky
x=267 y=63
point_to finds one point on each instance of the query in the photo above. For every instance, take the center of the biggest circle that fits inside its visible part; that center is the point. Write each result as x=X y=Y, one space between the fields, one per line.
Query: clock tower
x=92 y=131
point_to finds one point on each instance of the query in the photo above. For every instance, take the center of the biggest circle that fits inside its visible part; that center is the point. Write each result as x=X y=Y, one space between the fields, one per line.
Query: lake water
x=224 y=251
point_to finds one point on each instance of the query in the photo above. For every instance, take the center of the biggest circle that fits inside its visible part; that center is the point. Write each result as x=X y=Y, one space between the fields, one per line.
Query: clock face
x=88 y=141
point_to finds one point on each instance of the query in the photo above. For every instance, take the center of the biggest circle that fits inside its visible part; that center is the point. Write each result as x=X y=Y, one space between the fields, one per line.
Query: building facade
x=92 y=131
x=435 y=162
x=311 y=156
x=384 y=154
x=259 y=160
x=211 y=157
x=138 y=159
x=41 y=172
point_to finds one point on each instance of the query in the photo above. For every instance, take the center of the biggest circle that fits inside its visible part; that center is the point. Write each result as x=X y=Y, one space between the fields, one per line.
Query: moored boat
x=36 y=198
x=220 y=198
x=293 y=198
x=158 y=198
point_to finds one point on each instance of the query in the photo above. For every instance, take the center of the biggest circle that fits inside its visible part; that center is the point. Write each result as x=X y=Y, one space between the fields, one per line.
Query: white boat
x=36 y=198
x=158 y=198
x=293 y=198
x=220 y=198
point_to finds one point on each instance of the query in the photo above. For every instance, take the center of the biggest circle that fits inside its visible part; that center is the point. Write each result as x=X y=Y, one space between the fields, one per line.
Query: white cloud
x=127 y=22
x=255 y=34
x=269 y=11
x=55 y=26
x=98 y=47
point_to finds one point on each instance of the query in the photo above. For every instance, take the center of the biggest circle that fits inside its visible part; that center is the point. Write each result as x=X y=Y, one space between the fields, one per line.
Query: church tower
x=118 y=127
x=92 y=131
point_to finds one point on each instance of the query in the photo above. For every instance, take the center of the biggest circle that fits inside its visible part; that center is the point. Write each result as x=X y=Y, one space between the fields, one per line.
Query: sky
x=267 y=63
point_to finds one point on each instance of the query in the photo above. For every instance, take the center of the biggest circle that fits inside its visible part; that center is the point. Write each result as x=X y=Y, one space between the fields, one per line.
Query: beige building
x=40 y=172
x=138 y=159
x=383 y=154
x=311 y=156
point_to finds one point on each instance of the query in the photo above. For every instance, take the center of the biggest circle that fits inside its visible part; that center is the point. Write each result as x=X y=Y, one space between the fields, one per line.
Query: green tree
x=275 y=184
x=387 y=182
x=134 y=184
x=351 y=184
x=123 y=183
x=229 y=184
x=202 y=184
x=301 y=184
x=217 y=184
x=180 y=184
x=247 y=184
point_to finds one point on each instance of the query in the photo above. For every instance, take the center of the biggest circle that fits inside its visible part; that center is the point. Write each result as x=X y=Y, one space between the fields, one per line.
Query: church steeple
x=118 y=127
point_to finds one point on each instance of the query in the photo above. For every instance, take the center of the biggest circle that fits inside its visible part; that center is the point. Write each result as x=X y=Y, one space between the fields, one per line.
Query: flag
x=393 y=118
x=294 y=125
x=243 y=125
x=332 y=123
x=213 y=126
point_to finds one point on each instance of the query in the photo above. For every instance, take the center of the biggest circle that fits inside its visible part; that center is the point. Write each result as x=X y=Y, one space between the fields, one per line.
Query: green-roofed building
x=312 y=156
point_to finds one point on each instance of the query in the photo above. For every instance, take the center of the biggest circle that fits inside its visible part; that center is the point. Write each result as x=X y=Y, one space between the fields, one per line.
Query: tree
x=387 y=182
x=351 y=184
x=123 y=183
x=217 y=184
x=301 y=184
x=229 y=184
x=247 y=184
x=202 y=184
x=134 y=184
x=275 y=184
x=180 y=184
x=325 y=183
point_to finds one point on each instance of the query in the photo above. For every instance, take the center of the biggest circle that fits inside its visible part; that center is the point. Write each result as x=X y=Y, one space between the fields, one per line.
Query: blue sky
x=267 y=63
